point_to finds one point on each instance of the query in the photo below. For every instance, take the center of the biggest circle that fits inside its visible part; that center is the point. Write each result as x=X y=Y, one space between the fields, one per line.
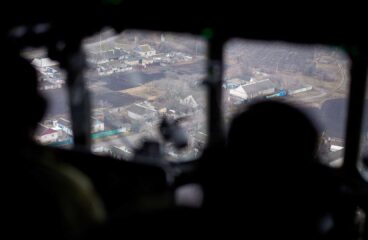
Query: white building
x=254 y=89
x=145 y=50
x=147 y=61
x=46 y=135
x=97 y=125
x=239 y=92
x=189 y=101
x=132 y=61
x=43 y=62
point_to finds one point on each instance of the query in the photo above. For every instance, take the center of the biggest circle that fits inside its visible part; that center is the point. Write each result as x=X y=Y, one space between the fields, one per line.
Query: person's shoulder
x=73 y=189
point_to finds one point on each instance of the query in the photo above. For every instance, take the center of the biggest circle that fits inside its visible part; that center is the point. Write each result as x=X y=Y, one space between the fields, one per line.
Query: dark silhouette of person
x=274 y=180
x=267 y=183
x=42 y=197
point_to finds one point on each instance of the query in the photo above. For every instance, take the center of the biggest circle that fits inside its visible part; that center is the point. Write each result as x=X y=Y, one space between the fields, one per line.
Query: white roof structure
x=43 y=62
x=253 y=89
x=239 y=92
x=189 y=101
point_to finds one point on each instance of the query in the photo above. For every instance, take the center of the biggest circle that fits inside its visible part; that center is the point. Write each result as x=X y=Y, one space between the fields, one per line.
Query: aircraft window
x=313 y=77
x=137 y=77
x=55 y=128
x=363 y=158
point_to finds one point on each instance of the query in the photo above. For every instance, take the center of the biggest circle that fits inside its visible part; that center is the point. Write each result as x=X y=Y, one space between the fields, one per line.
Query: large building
x=43 y=63
x=254 y=89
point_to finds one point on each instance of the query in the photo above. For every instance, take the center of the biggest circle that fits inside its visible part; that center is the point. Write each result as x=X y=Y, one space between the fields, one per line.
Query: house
x=125 y=128
x=97 y=125
x=158 y=57
x=239 y=92
x=49 y=70
x=140 y=112
x=189 y=101
x=146 y=61
x=160 y=105
x=121 y=152
x=253 y=89
x=47 y=82
x=335 y=158
x=113 y=67
x=145 y=50
x=132 y=61
x=161 y=58
x=179 y=57
x=43 y=62
x=46 y=135
x=96 y=58
x=48 y=86
x=124 y=68
x=65 y=125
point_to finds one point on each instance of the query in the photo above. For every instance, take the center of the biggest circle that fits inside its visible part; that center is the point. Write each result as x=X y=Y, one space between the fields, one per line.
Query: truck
x=280 y=93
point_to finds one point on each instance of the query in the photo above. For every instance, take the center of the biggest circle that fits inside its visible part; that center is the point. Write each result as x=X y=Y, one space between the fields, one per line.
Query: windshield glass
x=55 y=128
x=137 y=78
x=314 y=78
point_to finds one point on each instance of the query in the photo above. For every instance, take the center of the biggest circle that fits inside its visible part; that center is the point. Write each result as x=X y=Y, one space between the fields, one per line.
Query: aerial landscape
x=135 y=78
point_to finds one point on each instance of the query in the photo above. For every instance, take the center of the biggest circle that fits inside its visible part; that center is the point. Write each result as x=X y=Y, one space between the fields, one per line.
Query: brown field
x=146 y=91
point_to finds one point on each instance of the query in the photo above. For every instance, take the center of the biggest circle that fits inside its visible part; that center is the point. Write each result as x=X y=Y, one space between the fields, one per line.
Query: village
x=136 y=79
x=132 y=85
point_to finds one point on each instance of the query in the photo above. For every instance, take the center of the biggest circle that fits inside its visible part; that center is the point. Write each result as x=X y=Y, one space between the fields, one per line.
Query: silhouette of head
x=274 y=133
x=23 y=105
x=271 y=151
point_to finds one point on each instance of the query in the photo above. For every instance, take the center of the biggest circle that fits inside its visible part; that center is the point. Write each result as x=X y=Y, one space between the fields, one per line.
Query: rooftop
x=42 y=130
x=43 y=62
x=258 y=86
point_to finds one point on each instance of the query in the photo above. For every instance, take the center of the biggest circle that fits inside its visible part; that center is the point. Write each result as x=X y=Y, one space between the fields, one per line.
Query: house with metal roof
x=254 y=89
x=43 y=62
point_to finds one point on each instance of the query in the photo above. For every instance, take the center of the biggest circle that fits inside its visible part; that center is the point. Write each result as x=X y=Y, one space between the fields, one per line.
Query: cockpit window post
x=79 y=100
x=358 y=73
x=214 y=85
